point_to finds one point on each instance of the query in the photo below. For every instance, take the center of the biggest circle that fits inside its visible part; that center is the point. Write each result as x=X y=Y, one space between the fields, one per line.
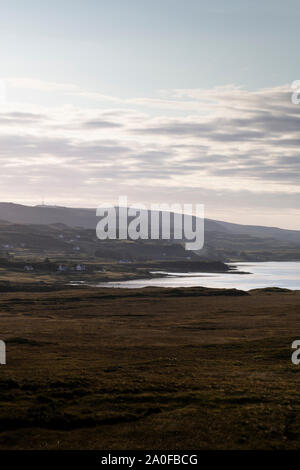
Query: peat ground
x=149 y=369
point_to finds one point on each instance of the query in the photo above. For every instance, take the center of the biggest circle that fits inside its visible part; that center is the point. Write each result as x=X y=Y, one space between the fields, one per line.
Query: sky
x=165 y=101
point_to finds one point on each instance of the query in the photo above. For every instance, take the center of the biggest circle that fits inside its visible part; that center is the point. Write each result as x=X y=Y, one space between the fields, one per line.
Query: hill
x=67 y=229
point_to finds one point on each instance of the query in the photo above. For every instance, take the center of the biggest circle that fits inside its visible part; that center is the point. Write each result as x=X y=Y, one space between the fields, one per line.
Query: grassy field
x=149 y=369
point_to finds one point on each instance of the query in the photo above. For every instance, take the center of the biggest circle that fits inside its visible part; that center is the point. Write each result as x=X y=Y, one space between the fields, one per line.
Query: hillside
x=44 y=229
x=86 y=218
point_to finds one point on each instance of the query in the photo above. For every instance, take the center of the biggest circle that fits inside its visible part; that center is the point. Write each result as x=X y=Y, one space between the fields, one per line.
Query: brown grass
x=149 y=369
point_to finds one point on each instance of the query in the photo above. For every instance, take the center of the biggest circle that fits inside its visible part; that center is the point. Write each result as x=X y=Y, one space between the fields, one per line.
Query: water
x=269 y=274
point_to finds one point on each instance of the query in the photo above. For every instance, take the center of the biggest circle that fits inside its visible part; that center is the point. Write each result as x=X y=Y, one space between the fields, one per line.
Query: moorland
x=149 y=369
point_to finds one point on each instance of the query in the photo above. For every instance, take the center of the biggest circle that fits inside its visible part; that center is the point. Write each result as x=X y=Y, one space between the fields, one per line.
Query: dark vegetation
x=150 y=369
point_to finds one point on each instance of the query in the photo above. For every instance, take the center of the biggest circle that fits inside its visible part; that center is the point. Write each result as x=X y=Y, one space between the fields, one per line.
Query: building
x=80 y=267
x=61 y=268
x=28 y=267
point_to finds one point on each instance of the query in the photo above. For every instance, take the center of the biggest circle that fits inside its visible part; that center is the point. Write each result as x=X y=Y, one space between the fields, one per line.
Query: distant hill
x=45 y=215
x=86 y=218
x=223 y=240
x=260 y=231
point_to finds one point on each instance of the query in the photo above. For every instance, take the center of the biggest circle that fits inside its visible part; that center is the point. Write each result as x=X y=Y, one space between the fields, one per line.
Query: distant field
x=149 y=369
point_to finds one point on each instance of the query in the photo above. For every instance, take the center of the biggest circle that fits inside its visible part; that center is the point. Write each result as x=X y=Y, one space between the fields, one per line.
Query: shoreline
x=115 y=273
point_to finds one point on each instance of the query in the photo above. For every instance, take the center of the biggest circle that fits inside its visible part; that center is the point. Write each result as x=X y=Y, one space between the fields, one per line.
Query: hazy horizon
x=62 y=206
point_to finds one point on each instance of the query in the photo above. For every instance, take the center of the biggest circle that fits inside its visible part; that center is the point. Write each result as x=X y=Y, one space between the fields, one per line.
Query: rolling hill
x=56 y=228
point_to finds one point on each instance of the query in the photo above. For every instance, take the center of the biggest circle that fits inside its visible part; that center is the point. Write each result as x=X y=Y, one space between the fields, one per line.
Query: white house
x=80 y=267
x=28 y=267
x=61 y=268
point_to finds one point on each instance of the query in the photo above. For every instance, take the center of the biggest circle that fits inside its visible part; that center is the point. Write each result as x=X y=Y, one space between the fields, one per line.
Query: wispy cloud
x=229 y=139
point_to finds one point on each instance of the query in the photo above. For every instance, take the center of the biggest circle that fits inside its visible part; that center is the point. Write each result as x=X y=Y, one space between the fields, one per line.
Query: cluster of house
x=61 y=268
x=7 y=246
x=79 y=267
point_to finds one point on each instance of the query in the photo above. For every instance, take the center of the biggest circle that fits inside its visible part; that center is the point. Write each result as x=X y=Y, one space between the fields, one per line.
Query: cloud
x=100 y=124
x=226 y=140
x=19 y=118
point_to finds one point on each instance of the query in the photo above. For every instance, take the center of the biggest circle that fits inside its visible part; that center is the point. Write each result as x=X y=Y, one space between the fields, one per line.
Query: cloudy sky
x=163 y=101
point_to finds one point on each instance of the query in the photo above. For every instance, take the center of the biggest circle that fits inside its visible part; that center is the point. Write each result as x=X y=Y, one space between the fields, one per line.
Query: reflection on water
x=269 y=274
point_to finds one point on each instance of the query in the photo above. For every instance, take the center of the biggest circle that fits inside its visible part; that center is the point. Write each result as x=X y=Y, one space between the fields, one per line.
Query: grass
x=147 y=369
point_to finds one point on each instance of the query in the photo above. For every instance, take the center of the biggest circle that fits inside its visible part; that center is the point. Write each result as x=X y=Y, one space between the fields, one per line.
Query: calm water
x=270 y=274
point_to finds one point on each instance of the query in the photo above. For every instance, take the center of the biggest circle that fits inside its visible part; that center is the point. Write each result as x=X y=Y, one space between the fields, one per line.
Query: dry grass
x=149 y=369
